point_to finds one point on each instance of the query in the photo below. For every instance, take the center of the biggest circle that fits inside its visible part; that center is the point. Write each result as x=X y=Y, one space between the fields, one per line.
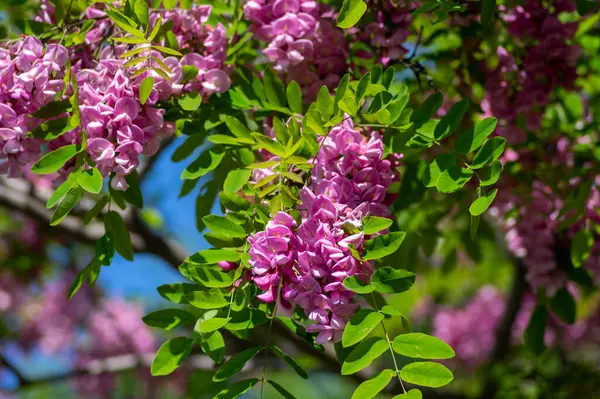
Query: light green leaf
x=236 y=127
x=53 y=161
x=294 y=96
x=383 y=245
x=213 y=345
x=141 y=11
x=492 y=174
x=491 y=151
x=427 y=374
x=208 y=275
x=350 y=13
x=453 y=179
x=364 y=354
x=176 y=292
x=246 y=319
x=222 y=225
x=361 y=325
x=168 y=319
x=392 y=281
x=146 y=88
x=348 y=105
x=236 y=179
x=212 y=299
x=361 y=88
x=125 y=23
x=324 y=103
x=274 y=89
x=213 y=324
x=91 y=181
x=355 y=284
x=370 y=388
x=374 y=224
x=63 y=189
x=190 y=101
x=412 y=394
x=170 y=355
x=481 y=204
x=439 y=165
x=235 y=364
x=422 y=346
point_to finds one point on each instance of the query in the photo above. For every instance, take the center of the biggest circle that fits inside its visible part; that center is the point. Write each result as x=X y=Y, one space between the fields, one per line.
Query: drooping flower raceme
x=307 y=261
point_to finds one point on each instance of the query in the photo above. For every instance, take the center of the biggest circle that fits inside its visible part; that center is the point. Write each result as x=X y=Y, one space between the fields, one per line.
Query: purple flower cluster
x=31 y=76
x=549 y=61
x=307 y=262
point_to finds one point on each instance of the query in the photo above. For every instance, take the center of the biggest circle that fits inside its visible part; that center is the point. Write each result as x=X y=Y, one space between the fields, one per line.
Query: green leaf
x=105 y=249
x=383 y=245
x=581 y=247
x=473 y=226
x=294 y=97
x=434 y=170
x=63 y=189
x=491 y=151
x=274 y=89
x=422 y=346
x=282 y=391
x=269 y=144
x=176 y=292
x=361 y=325
x=474 y=138
x=91 y=181
x=155 y=30
x=374 y=224
x=235 y=364
x=170 y=355
x=290 y=361
x=77 y=283
x=324 y=103
x=340 y=92
x=451 y=121
x=392 y=281
x=536 y=329
x=488 y=8
x=213 y=345
x=246 y=319
x=453 y=179
x=427 y=374
x=207 y=162
x=212 y=299
x=208 y=275
x=350 y=13
x=429 y=107
x=222 y=225
x=355 y=284
x=125 y=23
x=364 y=354
x=236 y=179
x=66 y=205
x=348 y=105
x=52 y=109
x=53 y=161
x=141 y=11
x=313 y=122
x=412 y=394
x=481 y=204
x=213 y=324
x=146 y=89
x=190 y=101
x=361 y=88
x=115 y=224
x=564 y=306
x=236 y=390
x=370 y=388
x=492 y=174
x=167 y=50
x=168 y=319
x=586 y=6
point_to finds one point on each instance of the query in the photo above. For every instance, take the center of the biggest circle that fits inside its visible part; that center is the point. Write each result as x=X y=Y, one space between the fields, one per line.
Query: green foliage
x=422 y=346
x=370 y=388
x=427 y=374
x=170 y=355
x=235 y=364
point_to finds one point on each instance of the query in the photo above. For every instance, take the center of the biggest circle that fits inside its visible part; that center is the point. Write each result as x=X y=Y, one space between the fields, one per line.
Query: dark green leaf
x=492 y=174
x=236 y=390
x=66 y=205
x=207 y=162
x=168 y=319
x=290 y=361
x=430 y=106
x=488 y=8
x=439 y=165
x=581 y=247
x=453 y=179
x=281 y=390
x=246 y=319
x=474 y=138
x=392 y=281
x=208 y=275
x=491 y=151
x=361 y=89
x=115 y=224
x=212 y=299
x=564 y=306
x=176 y=292
x=451 y=121
x=536 y=329
x=274 y=89
x=235 y=364
x=63 y=189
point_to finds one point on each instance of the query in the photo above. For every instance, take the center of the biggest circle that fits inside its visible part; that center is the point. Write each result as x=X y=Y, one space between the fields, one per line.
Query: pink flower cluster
x=302 y=40
x=309 y=262
x=549 y=61
x=119 y=128
x=31 y=76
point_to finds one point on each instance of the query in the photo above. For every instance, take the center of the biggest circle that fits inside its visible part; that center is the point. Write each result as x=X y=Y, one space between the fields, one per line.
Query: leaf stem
x=268 y=341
